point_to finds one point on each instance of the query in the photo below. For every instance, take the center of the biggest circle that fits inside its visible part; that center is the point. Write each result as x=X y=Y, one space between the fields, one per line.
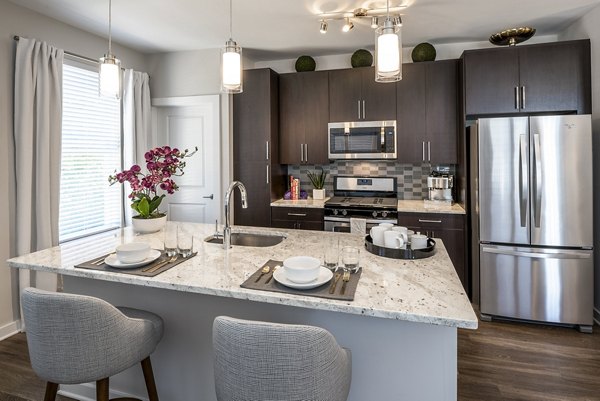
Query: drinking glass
x=331 y=256
x=170 y=238
x=185 y=241
x=351 y=258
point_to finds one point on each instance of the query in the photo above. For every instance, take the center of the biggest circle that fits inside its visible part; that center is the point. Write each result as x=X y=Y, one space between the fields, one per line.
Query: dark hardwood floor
x=498 y=362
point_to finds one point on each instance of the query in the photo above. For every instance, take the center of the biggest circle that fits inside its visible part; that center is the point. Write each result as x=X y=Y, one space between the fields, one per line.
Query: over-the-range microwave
x=375 y=140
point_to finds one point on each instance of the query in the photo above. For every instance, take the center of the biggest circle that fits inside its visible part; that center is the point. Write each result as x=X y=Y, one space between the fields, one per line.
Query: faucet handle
x=217 y=233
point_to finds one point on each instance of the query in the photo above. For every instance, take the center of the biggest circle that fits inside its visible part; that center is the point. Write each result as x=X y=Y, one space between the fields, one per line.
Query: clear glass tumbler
x=351 y=258
x=331 y=255
x=185 y=241
x=170 y=238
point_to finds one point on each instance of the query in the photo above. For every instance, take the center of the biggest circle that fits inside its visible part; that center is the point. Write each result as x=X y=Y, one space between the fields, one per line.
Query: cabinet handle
x=428 y=151
x=306 y=152
x=301 y=152
x=267 y=142
x=358 y=101
x=297 y=214
x=523 y=97
x=517 y=104
x=423 y=143
x=364 y=113
x=268 y=175
x=429 y=221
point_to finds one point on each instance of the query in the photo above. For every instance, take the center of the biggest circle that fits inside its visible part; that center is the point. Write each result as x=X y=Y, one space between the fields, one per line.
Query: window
x=91 y=151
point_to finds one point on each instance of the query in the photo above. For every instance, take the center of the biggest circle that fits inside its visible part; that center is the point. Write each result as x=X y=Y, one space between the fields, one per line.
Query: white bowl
x=133 y=252
x=301 y=269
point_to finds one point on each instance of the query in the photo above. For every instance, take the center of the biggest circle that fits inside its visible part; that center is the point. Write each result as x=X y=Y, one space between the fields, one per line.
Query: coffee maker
x=440 y=186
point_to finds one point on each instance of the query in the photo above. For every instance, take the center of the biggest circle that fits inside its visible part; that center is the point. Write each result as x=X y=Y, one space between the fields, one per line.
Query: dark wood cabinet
x=256 y=147
x=427 y=113
x=450 y=228
x=304 y=114
x=297 y=218
x=355 y=96
x=547 y=77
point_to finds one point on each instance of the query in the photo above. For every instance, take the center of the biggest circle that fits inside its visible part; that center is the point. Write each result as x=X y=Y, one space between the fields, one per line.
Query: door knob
x=209 y=197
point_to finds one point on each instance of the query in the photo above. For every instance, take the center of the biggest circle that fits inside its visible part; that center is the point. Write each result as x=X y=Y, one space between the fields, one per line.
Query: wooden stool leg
x=51 y=390
x=102 y=390
x=149 y=378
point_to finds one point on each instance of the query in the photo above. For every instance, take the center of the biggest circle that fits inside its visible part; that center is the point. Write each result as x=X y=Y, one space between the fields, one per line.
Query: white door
x=185 y=127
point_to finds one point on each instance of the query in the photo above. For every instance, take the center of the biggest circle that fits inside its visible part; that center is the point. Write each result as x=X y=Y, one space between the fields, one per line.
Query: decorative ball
x=423 y=52
x=305 y=63
x=361 y=58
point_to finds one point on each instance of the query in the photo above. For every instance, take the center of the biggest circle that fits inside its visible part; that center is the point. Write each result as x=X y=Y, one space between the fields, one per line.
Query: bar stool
x=76 y=339
x=270 y=361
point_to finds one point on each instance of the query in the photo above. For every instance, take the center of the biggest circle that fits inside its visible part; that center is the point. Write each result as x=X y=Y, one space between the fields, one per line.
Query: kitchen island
x=401 y=327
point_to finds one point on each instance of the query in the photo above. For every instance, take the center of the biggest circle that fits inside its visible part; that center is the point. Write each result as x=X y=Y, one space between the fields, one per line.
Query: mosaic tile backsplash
x=412 y=178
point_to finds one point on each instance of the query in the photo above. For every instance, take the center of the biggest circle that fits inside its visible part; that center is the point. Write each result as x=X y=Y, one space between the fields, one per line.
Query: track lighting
x=375 y=15
x=374 y=22
x=323 y=28
x=347 y=26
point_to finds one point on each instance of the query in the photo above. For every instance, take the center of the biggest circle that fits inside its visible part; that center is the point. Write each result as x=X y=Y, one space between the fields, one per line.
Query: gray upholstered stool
x=78 y=339
x=257 y=361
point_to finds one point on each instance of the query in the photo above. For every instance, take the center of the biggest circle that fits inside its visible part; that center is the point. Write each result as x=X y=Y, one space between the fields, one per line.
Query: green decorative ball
x=423 y=52
x=361 y=58
x=305 y=63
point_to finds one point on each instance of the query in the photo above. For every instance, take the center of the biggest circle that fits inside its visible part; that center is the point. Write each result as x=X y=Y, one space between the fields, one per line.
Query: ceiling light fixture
x=359 y=14
x=347 y=26
x=110 y=67
x=323 y=28
x=374 y=22
x=231 y=62
x=388 y=51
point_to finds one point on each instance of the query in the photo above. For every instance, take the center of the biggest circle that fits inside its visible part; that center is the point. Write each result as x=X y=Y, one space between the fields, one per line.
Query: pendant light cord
x=230 y=19
x=388 y=8
x=109 y=26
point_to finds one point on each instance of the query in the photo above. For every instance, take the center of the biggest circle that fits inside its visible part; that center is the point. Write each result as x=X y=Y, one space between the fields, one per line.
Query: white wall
x=15 y=20
x=587 y=27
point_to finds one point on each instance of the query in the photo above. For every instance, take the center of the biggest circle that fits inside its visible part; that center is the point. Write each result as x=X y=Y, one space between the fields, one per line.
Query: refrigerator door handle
x=539 y=255
x=523 y=180
x=538 y=180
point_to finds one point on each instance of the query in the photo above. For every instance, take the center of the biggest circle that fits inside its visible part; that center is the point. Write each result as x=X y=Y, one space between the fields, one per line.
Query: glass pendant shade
x=231 y=68
x=110 y=76
x=388 y=52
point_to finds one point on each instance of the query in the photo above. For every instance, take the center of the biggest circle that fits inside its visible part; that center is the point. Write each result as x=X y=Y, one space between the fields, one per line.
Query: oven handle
x=369 y=221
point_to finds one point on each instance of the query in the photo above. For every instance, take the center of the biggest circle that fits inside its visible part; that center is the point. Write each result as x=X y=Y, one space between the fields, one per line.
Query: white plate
x=324 y=276
x=112 y=260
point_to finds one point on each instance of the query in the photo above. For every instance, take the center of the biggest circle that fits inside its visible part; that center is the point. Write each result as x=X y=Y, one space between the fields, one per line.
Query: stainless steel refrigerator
x=533 y=214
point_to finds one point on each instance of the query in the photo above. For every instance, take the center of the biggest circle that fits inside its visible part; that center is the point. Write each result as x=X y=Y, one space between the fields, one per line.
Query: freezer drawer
x=547 y=285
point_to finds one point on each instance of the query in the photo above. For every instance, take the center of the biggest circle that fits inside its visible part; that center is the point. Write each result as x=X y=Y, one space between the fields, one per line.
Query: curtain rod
x=88 y=59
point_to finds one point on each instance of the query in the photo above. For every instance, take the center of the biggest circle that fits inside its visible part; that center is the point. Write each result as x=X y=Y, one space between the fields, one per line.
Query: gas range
x=370 y=198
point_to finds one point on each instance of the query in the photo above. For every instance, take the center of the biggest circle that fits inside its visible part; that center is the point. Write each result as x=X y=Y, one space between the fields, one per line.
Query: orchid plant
x=162 y=163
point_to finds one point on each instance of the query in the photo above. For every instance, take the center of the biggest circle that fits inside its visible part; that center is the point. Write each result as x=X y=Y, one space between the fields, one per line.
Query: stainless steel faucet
x=227 y=229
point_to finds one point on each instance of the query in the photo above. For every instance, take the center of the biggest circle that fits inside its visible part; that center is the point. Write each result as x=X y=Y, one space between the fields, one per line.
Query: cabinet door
x=491 y=76
x=344 y=95
x=315 y=107
x=254 y=177
x=379 y=98
x=454 y=241
x=441 y=88
x=553 y=76
x=291 y=118
x=411 y=119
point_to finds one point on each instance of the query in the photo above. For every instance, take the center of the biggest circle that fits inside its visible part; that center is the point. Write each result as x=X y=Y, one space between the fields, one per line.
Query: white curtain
x=137 y=128
x=37 y=137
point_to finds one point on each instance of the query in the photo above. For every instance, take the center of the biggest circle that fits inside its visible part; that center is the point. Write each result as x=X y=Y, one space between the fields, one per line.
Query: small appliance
x=373 y=140
x=440 y=186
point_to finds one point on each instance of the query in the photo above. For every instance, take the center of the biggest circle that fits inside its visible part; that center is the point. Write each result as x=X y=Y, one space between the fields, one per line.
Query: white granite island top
x=423 y=291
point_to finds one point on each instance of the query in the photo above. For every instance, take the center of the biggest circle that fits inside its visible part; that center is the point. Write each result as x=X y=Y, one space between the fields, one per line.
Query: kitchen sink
x=248 y=239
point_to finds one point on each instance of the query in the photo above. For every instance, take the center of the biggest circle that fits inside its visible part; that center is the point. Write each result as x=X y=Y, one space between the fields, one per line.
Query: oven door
x=362 y=140
x=342 y=224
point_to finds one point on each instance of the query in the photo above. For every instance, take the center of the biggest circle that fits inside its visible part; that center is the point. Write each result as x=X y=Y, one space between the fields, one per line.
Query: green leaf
x=155 y=203
x=144 y=208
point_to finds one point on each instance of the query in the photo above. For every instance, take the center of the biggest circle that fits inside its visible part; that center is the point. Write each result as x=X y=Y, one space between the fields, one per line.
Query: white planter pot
x=146 y=226
x=319 y=194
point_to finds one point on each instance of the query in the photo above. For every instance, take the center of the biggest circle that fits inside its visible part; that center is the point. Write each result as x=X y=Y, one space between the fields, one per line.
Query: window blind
x=91 y=151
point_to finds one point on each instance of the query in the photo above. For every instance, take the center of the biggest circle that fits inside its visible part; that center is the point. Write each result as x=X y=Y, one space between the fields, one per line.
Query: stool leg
x=102 y=390
x=51 y=389
x=149 y=378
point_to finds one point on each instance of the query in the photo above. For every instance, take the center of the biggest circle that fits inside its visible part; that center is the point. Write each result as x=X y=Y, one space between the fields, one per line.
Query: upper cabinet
x=304 y=114
x=355 y=96
x=548 y=77
x=427 y=100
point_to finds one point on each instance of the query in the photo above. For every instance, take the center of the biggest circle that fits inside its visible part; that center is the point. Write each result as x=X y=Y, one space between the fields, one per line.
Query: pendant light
x=388 y=51
x=231 y=62
x=110 y=67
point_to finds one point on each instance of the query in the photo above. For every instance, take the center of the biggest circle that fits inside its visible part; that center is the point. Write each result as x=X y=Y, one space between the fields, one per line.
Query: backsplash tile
x=412 y=178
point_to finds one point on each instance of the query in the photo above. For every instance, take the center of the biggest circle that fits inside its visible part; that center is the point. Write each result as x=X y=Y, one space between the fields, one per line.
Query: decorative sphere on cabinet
x=361 y=58
x=305 y=63
x=423 y=52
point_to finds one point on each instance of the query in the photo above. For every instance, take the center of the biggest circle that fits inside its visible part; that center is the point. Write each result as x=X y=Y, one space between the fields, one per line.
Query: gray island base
x=401 y=327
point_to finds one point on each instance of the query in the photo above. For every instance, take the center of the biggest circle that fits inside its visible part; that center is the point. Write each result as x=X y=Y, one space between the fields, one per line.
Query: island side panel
x=391 y=359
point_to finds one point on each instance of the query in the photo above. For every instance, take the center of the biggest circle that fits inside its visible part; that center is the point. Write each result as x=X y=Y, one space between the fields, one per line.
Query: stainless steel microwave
x=375 y=140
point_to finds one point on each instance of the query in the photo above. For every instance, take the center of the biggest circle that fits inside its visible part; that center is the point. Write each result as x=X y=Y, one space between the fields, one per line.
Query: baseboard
x=87 y=392
x=597 y=316
x=10 y=329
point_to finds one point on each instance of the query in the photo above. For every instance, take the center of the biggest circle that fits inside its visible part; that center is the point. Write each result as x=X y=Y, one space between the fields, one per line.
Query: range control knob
x=335 y=212
x=384 y=214
x=344 y=212
x=374 y=214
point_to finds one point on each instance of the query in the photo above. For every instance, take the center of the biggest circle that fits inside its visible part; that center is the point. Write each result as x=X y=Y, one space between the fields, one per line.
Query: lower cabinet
x=450 y=228
x=297 y=218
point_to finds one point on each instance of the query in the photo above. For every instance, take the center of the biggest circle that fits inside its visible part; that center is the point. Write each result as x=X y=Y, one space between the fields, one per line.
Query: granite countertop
x=424 y=291
x=424 y=206
x=308 y=203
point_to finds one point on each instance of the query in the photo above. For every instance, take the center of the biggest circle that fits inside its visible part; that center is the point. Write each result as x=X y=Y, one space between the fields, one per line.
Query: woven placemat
x=321 y=292
x=138 y=271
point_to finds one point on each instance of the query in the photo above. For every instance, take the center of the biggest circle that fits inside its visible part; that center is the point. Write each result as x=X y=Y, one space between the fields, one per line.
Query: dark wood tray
x=407 y=253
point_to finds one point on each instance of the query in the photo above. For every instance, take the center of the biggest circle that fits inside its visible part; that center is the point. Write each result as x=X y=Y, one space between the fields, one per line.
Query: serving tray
x=407 y=253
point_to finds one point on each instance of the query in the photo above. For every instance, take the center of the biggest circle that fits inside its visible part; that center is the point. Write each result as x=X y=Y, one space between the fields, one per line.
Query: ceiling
x=279 y=29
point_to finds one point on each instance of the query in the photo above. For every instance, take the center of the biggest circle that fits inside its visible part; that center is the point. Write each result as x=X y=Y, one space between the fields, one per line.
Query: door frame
x=214 y=104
